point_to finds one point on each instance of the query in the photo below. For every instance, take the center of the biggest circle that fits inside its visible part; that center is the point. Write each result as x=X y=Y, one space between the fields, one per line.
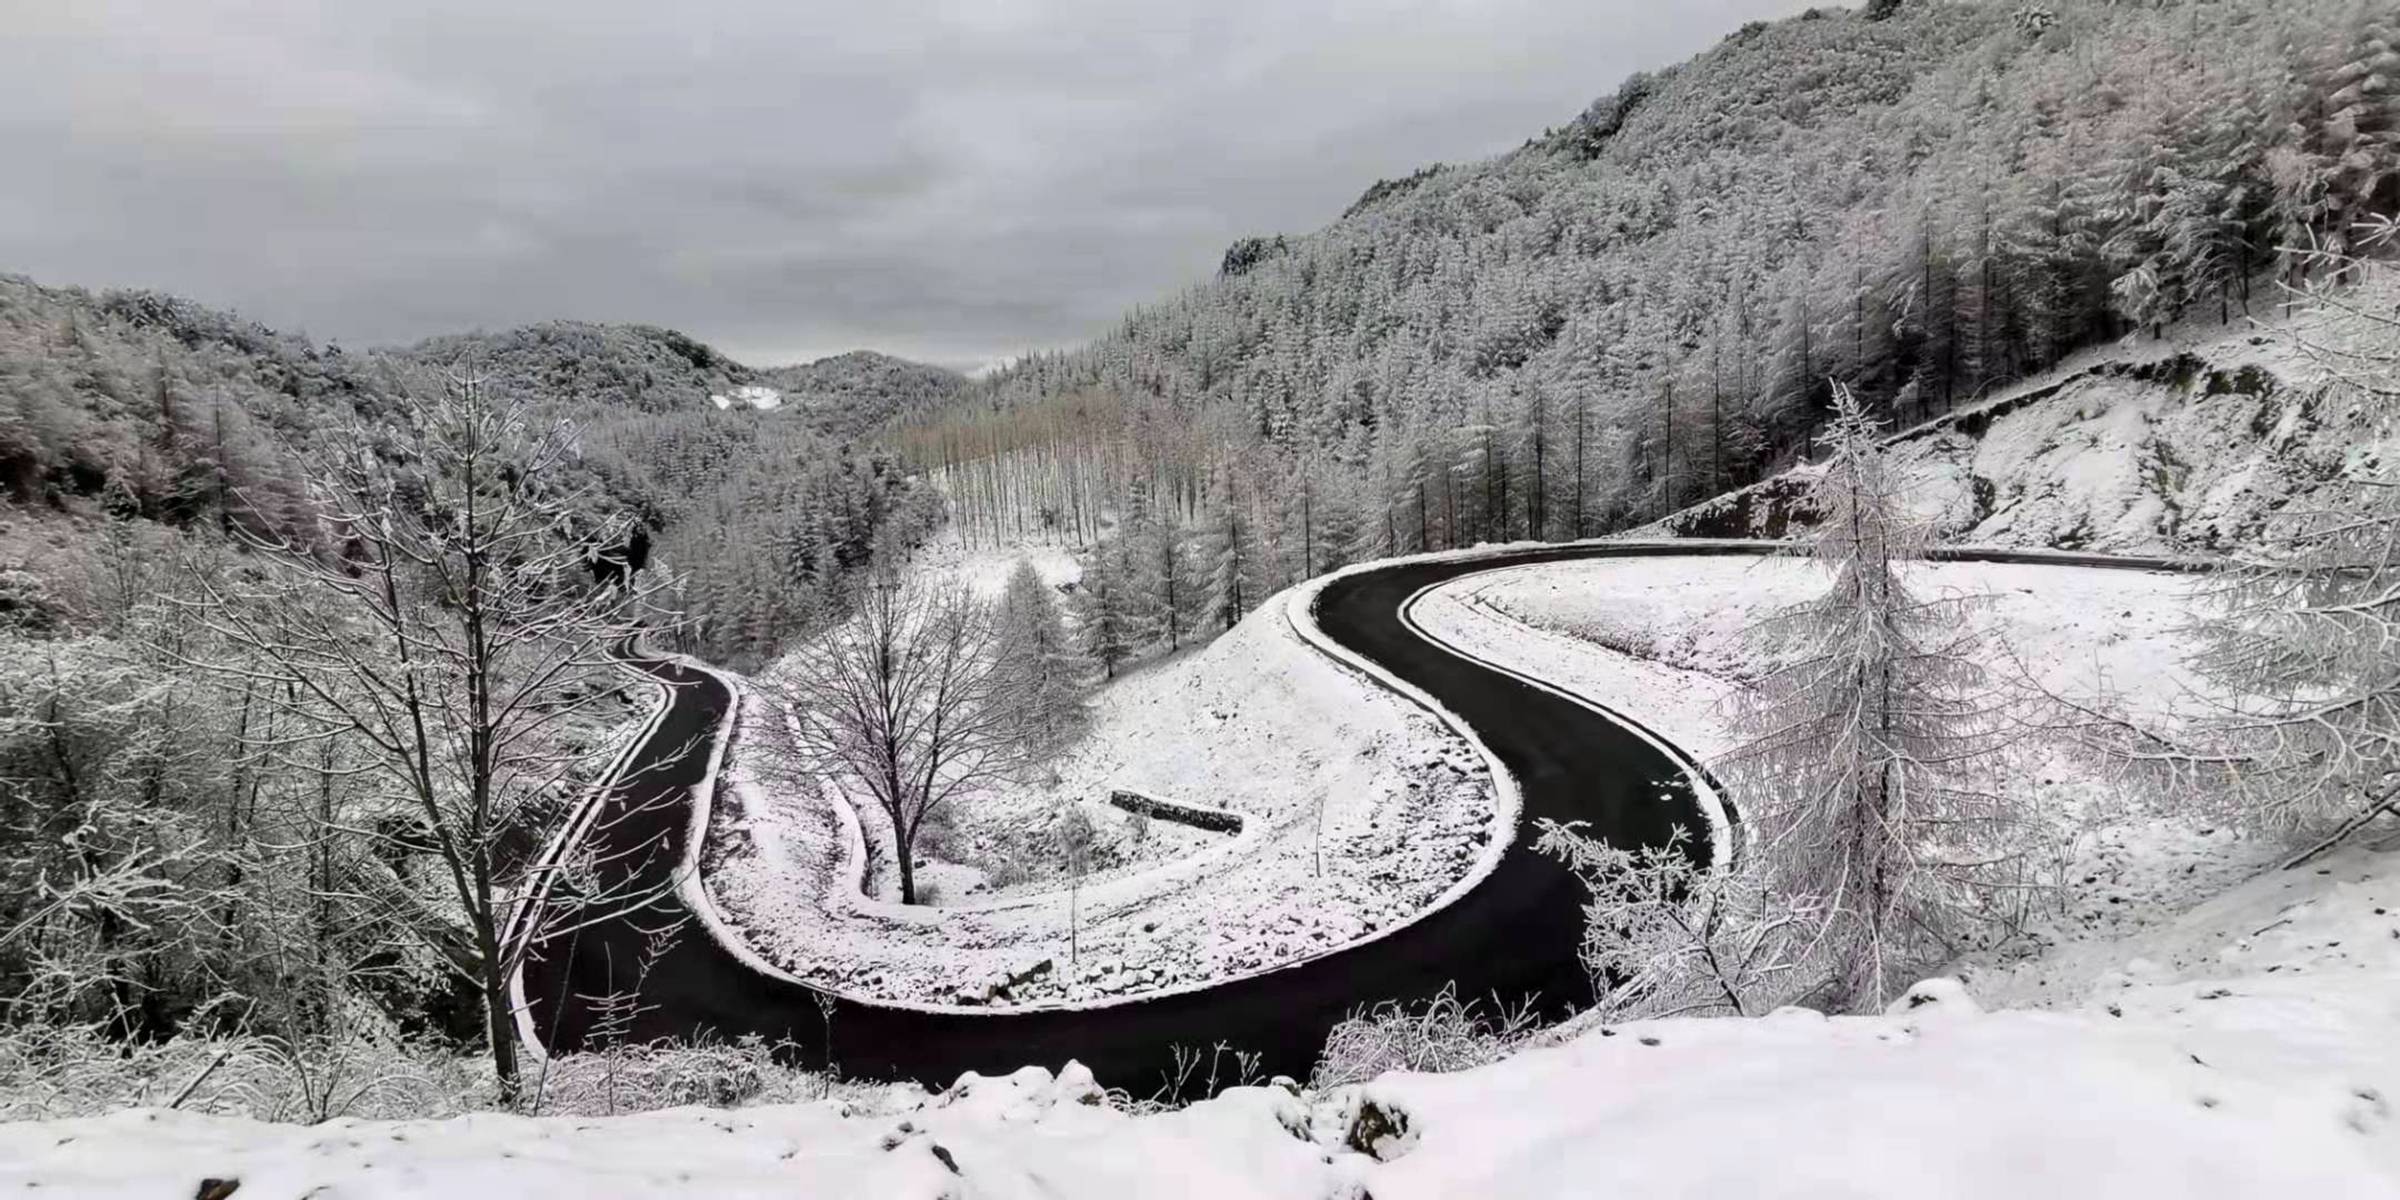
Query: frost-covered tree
x=1073 y=835
x=1866 y=770
x=452 y=627
x=1102 y=607
x=1229 y=550
x=1667 y=937
x=1038 y=661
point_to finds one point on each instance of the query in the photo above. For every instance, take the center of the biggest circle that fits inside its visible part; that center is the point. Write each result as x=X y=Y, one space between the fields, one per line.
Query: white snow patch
x=757 y=396
x=984 y=569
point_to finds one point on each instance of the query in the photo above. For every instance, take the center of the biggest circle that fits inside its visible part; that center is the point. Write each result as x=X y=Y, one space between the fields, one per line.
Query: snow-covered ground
x=2243 y=1049
x=1360 y=811
x=984 y=569
x=2186 y=444
x=2190 y=1026
x=1666 y=640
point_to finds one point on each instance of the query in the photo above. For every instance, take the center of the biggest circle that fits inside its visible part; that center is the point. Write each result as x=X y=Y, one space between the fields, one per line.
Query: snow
x=984 y=569
x=1258 y=722
x=2242 y=1049
x=757 y=396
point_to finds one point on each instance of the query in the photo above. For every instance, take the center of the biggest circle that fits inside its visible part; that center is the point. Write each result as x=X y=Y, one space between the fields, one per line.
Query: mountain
x=850 y=394
x=1653 y=302
x=635 y=367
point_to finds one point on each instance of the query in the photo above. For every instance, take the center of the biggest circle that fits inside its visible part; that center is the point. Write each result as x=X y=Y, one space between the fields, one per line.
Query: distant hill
x=640 y=367
x=140 y=406
x=849 y=394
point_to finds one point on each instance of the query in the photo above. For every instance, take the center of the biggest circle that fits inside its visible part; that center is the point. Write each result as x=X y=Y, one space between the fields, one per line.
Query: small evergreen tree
x=1038 y=662
x=1102 y=623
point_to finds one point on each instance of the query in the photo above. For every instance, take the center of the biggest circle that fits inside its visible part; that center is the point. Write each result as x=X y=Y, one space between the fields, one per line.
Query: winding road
x=1513 y=937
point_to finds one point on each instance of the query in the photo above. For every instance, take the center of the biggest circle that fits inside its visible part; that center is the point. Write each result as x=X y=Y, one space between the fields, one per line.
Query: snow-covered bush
x=1666 y=937
x=1442 y=1034
x=49 y=1072
x=640 y=1078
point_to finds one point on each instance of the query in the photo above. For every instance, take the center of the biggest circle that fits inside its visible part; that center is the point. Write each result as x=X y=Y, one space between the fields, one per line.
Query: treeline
x=1649 y=305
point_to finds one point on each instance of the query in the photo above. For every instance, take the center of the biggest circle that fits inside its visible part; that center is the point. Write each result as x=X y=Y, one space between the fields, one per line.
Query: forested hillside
x=139 y=406
x=850 y=395
x=1651 y=304
x=220 y=544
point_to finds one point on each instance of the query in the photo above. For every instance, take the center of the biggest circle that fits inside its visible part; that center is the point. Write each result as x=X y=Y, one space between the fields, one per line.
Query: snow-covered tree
x=439 y=642
x=1865 y=771
x=1102 y=606
x=2305 y=642
x=1039 y=661
x=1072 y=834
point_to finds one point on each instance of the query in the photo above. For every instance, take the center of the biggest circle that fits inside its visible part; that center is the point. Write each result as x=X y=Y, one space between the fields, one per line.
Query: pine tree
x=1103 y=624
x=1040 y=665
x=1230 y=554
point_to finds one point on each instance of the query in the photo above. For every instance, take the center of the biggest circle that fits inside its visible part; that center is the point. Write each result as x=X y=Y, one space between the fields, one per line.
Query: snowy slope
x=1665 y=641
x=2184 y=445
x=2244 y=1050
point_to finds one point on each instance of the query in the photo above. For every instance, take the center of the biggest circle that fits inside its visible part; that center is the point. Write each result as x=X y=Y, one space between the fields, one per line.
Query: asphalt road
x=1512 y=938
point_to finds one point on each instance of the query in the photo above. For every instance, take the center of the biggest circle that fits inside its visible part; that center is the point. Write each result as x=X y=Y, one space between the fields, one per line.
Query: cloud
x=954 y=180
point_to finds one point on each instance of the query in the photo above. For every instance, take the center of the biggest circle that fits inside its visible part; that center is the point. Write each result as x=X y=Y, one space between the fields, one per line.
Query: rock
x=1379 y=1130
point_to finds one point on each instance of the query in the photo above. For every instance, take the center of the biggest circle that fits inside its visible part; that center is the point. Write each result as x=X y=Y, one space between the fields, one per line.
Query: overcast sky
x=951 y=180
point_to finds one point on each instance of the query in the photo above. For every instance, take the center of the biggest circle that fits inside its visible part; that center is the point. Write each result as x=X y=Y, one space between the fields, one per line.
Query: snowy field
x=1359 y=812
x=2243 y=1049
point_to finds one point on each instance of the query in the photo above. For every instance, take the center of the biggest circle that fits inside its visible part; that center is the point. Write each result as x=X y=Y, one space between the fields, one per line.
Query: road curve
x=1513 y=937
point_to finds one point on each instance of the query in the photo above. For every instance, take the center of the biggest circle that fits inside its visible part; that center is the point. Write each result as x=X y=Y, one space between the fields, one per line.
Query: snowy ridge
x=2182 y=445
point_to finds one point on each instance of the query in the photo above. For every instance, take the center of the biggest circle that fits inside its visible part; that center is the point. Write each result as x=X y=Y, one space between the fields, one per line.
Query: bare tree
x=1861 y=768
x=909 y=700
x=447 y=637
x=1071 y=830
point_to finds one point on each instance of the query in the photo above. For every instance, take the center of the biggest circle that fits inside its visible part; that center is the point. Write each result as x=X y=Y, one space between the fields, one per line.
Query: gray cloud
x=954 y=180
